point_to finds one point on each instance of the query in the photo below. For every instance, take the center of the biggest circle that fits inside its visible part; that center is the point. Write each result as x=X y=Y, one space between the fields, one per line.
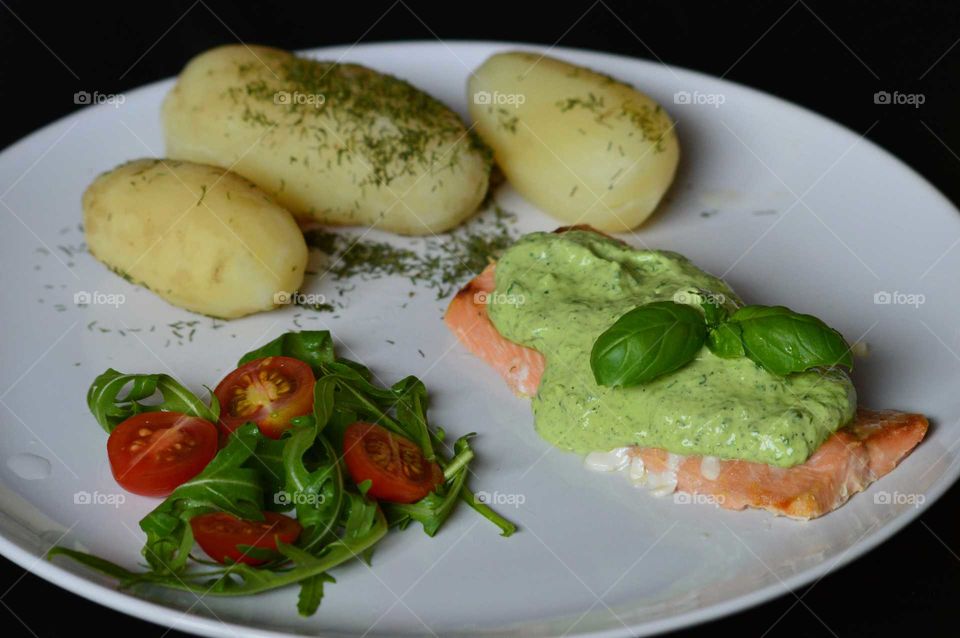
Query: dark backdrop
x=828 y=56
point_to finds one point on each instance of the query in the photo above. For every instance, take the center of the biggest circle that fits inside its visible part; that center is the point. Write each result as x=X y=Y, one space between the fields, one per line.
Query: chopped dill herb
x=507 y=120
x=378 y=120
x=590 y=103
x=442 y=263
x=317 y=307
x=652 y=122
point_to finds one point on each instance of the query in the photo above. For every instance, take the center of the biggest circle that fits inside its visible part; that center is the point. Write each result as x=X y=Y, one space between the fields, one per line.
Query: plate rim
x=154 y=612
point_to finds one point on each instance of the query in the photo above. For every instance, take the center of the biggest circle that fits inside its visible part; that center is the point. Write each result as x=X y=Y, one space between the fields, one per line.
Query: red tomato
x=219 y=533
x=269 y=391
x=395 y=465
x=153 y=452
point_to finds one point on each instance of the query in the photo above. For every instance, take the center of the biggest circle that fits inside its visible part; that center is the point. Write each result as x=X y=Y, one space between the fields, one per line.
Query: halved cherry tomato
x=154 y=452
x=394 y=465
x=219 y=533
x=269 y=391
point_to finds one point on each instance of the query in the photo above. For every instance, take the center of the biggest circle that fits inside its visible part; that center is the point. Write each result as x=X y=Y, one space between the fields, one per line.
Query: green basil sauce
x=556 y=293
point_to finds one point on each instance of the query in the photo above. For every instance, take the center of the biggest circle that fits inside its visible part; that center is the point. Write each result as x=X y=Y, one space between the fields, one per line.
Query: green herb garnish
x=647 y=342
x=103 y=398
x=354 y=131
x=784 y=341
x=660 y=337
x=340 y=523
x=440 y=263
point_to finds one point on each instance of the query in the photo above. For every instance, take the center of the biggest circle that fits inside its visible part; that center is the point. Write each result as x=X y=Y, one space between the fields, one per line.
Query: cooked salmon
x=847 y=462
x=521 y=367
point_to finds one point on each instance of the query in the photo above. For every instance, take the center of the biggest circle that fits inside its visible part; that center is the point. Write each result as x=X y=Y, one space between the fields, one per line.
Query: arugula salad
x=293 y=430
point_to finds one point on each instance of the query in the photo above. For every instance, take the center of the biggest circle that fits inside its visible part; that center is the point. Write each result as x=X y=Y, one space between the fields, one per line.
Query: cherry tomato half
x=219 y=533
x=395 y=465
x=269 y=391
x=154 y=452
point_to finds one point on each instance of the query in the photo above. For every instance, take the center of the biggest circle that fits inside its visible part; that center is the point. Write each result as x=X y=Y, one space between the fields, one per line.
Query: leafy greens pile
x=340 y=523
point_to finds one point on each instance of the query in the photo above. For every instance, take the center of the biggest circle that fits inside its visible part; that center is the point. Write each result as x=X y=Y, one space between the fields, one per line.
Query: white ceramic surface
x=786 y=205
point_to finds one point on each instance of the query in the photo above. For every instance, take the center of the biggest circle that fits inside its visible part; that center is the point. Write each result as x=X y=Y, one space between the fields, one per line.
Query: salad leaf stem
x=103 y=398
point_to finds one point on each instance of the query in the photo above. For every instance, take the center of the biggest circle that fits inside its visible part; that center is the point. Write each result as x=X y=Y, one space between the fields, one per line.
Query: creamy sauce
x=561 y=291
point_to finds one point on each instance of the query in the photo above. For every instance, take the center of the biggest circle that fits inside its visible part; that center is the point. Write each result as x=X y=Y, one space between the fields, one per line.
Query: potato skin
x=580 y=145
x=336 y=143
x=201 y=237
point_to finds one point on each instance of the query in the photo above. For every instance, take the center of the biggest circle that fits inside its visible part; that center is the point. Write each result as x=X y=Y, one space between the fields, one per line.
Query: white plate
x=788 y=206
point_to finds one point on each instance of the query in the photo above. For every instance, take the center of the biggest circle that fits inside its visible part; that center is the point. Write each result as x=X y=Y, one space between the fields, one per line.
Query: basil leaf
x=726 y=340
x=713 y=312
x=647 y=342
x=783 y=341
x=314 y=347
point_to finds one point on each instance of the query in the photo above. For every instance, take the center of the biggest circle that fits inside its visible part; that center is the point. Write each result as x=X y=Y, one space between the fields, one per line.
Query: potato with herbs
x=201 y=237
x=580 y=145
x=335 y=143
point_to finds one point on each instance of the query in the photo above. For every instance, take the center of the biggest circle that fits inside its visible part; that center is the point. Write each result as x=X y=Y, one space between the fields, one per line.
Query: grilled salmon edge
x=850 y=460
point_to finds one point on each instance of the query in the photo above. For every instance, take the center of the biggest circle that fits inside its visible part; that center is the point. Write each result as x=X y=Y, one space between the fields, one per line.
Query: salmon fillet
x=851 y=459
x=520 y=367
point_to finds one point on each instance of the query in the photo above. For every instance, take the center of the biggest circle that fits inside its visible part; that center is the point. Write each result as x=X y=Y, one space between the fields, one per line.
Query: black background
x=828 y=56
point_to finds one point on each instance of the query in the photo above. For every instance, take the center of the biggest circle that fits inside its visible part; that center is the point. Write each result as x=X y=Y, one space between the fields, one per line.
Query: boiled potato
x=336 y=143
x=201 y=237
x=582 y=146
